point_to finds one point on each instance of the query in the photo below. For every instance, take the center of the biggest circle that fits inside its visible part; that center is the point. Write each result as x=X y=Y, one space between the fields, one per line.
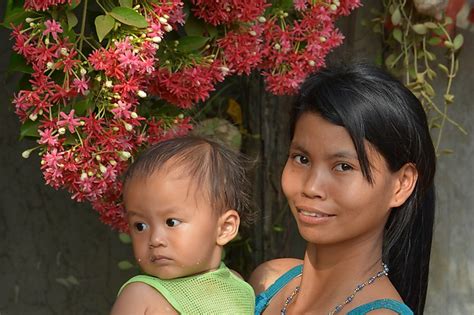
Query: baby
x=184 y=200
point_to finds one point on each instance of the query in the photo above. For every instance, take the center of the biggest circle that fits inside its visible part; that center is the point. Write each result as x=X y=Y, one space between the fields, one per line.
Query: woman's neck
x=331 y=272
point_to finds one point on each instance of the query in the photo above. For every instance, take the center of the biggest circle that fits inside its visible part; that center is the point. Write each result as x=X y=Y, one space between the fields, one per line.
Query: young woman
x=359 y=182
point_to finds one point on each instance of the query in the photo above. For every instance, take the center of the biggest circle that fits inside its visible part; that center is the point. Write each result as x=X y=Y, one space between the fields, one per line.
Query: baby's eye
x=301 y=159
x=172 y=222
x=140 y=226
x=343 y=167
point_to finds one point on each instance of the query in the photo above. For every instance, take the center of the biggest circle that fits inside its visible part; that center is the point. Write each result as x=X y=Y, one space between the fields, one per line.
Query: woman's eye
x=172 y=222
x=140 y=226
x=343 y=167
x=301 y=159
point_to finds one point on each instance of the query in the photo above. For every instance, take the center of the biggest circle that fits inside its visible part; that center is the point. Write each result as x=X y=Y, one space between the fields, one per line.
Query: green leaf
x=83 y=105
x=15 y=16
x=439 y=31
x=191 y=43
x=458 y=41
x=71 y=19
x=125 y=265
x=129 y=17
x=18 y=64
x=434 y=41
x=126 y=3
x=390 y=60
x=72 y=280
x=397 y=34
x=29 y=129
x=430 y=56
x=103 y=25
x=74 y=4
x=420 y=29
x=431 y=25
x=125 y=238
x=194 y=27
x=396 y=17
x=444 y=68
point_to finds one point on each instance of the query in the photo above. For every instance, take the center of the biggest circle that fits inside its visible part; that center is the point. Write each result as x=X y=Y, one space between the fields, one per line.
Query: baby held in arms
x=184 y=200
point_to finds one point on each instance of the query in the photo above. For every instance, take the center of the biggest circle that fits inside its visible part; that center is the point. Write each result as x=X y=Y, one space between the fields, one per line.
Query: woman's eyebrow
x=345 y=154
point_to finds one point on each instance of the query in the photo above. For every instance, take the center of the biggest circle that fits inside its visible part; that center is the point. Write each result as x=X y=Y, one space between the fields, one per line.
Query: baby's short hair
x=208 y=162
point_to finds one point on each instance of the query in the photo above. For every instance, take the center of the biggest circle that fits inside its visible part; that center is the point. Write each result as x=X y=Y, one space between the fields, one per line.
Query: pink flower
x=81 y=85
x=48 y=138
x=69 y=120
x=53 y=28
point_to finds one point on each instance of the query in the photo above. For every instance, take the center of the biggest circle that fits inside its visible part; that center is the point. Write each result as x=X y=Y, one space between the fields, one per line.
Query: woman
x=359 y=182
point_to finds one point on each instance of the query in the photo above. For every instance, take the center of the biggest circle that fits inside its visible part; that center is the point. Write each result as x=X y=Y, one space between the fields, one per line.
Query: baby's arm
x=138 y=298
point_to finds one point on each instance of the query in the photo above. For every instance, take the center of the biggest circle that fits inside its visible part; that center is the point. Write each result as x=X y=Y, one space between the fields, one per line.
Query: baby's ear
x=228 y=227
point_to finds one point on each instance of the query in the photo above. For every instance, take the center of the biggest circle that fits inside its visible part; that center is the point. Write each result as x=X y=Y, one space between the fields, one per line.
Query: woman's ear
x=406 y=178
x=228 y=227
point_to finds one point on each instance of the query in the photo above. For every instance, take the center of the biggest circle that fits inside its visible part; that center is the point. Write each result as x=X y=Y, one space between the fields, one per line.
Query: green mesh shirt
x=215 y=292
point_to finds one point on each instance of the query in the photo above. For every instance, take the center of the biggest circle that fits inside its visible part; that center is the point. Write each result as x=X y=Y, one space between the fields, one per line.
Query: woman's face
x=329 y=197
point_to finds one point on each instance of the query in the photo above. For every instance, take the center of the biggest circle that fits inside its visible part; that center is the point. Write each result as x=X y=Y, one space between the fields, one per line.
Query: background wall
x=57 y=258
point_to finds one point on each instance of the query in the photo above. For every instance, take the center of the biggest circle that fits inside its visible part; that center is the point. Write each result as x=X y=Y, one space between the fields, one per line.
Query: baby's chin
x=169 y=272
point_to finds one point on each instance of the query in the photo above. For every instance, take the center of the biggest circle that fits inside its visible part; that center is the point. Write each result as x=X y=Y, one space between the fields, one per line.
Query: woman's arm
x=138 y=298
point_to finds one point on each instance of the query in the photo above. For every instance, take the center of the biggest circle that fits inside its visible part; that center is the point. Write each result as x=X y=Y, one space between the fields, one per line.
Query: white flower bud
x=156 y=39
x=333 y=7
x=102 y=168
x=108 y=84
x=124 y=155
x=97 y=157
x=322 y=39
x=50 y=65
x=141 y=93
x=46 y=41
x=83 y=71
x=40 y=112
x=29 y=20
x=33 y=117
x=277 y=46
x=163 y=20
x=62 y=130
x=253 y=33
x=113 y=162
x=311 y=63
x=134 y=115
x=63 y=51
x=262 y=19
x=166 y=16
x=128 y=127
x=168 y=28
x=83 y=175
x=32 y=24
x=180 y=116
x=26 y=153
x=90 y=173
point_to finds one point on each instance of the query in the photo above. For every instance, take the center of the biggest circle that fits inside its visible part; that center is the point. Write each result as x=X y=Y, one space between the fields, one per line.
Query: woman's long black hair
x=374 y=106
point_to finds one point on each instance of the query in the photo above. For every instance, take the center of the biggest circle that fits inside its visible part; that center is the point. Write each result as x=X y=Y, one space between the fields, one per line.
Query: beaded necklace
x=339 y=307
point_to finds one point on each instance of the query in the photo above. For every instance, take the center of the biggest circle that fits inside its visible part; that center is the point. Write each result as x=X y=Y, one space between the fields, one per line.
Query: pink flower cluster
x=91 y=111
x=228 y=11
x=85 y=152
x=286 y=51
x=43 y=5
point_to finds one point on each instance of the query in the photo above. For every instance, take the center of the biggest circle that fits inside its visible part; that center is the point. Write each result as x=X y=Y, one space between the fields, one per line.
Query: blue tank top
x=264 y=298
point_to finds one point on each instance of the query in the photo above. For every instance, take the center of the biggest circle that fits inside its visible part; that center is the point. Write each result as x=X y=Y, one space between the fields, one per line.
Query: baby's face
x=172 y=225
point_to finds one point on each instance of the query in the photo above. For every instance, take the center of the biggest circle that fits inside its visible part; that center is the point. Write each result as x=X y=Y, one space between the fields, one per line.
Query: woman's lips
x=313 y=216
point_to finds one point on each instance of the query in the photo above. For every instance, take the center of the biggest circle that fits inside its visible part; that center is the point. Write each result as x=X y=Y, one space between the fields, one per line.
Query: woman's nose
x=314 y=186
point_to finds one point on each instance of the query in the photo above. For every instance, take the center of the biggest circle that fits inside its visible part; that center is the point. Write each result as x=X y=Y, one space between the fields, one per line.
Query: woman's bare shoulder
x=267 y=273
x=140 y=298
